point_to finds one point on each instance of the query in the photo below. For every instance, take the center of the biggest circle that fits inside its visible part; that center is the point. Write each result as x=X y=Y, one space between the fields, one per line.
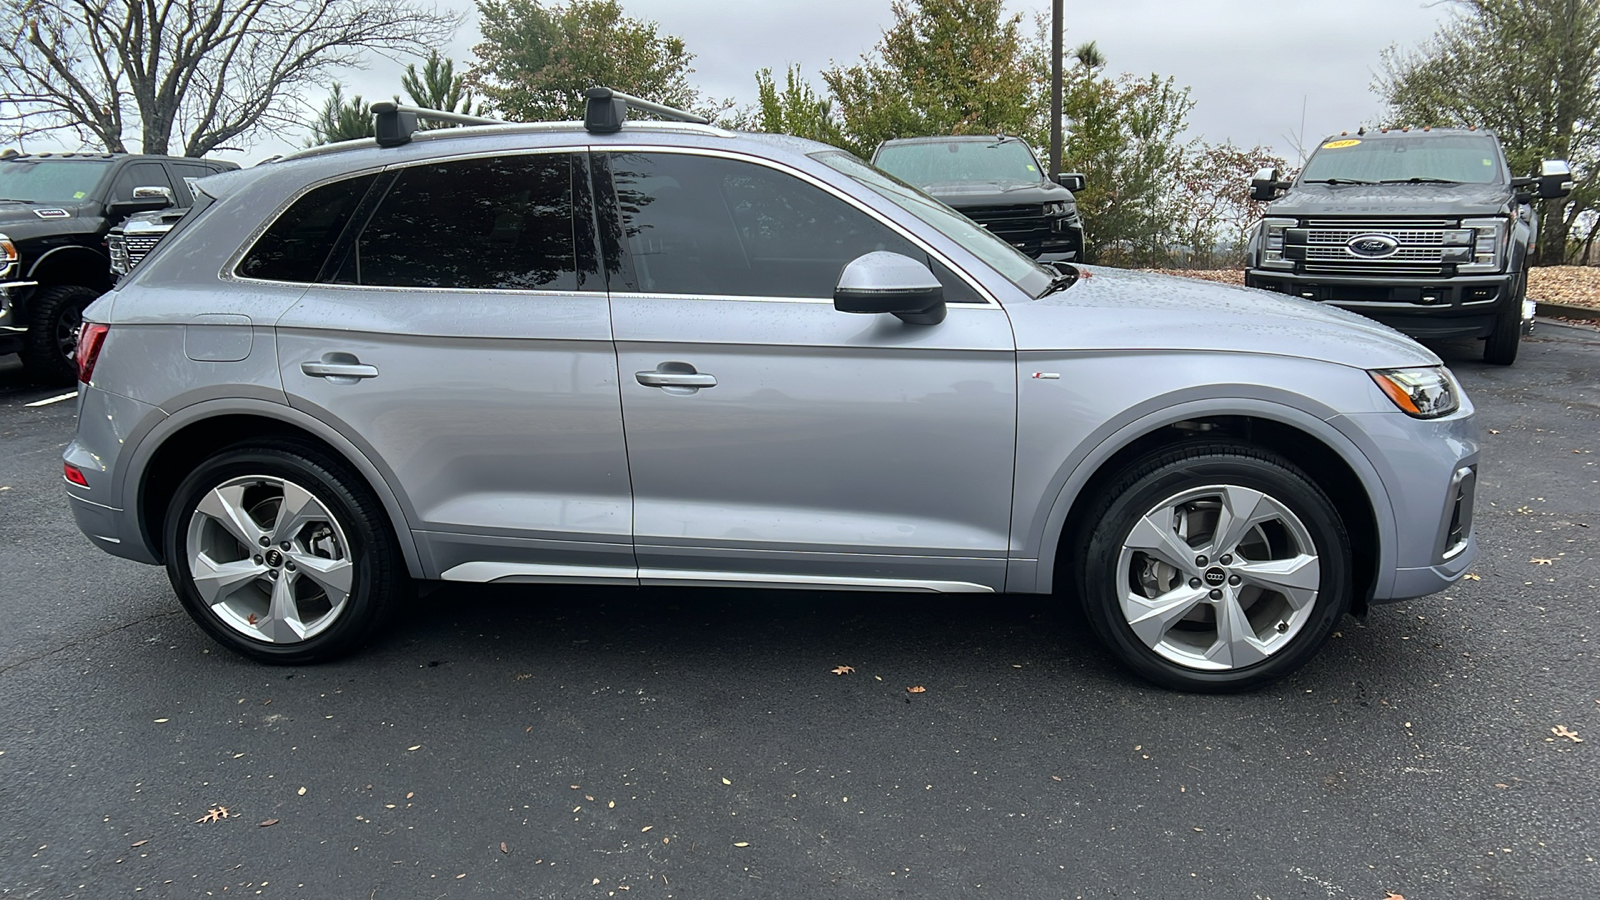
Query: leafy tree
x=1529 y=69
x=438 y=86
x=1212 y=197
x=944 y=67
x=342 y=119
x=796 y=109
x=536 y=61
x=199 y=72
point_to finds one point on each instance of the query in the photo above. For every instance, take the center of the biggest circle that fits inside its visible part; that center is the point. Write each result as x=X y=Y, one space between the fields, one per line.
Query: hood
x=1115 y=309
x=997 y=193
x=20 y=221
x=1394 y=200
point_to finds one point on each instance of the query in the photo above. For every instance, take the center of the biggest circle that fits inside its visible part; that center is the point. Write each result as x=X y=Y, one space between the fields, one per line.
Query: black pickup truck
x=55 y=212
x=996 y=181
x=1424 y=230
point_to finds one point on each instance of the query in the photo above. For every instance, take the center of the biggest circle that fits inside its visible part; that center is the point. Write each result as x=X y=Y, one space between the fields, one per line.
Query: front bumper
x=1458 y=306
x=13 y=314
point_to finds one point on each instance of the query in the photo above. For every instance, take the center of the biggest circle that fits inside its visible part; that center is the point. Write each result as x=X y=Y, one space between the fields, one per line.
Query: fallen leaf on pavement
x=140 y=843
x=726 y=781
x=1539 y=561
x=741 y=843
x=301 y=792
x=417 y=747
x=215 y=814
x=503 y=847
x=842 y=670
x=269 y=823
x=1472 y=576
x=1561 y=731
x=1391 y=895
x=919 y=689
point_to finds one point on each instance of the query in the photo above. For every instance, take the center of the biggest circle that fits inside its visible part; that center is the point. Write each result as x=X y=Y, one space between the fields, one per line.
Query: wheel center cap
x=275 y=559
x=1214 y=576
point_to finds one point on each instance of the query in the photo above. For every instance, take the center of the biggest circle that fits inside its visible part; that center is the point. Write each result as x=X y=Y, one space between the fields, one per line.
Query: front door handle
x=676 y=378
x=340 y=368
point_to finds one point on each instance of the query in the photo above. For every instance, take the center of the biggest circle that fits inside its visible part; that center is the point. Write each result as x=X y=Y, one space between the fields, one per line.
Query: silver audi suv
x=661 y=353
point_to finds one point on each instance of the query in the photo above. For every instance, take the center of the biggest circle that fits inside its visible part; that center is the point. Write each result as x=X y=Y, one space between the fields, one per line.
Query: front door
x=773 y=440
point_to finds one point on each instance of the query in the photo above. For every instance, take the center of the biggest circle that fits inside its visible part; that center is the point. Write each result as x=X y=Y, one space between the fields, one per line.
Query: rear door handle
x=676 y=378
x=342 y=368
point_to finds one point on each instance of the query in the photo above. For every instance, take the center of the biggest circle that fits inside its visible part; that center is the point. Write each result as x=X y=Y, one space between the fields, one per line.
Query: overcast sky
x=1252 y=65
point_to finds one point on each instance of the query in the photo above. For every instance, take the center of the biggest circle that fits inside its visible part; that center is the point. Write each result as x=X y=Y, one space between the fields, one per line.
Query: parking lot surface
x=565 y=743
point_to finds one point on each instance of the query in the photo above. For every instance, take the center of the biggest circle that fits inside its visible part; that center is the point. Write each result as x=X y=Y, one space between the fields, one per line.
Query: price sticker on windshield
x=1339 y=145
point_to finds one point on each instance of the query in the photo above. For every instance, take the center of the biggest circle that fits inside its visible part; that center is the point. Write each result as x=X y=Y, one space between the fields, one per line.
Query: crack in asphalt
x=84 y=640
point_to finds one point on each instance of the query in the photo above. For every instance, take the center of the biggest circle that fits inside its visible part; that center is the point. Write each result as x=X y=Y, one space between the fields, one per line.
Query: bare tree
x=203 y=72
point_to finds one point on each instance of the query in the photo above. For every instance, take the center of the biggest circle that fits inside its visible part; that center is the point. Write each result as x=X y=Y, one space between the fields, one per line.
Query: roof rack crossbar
x=606 y=110
x=396 y=123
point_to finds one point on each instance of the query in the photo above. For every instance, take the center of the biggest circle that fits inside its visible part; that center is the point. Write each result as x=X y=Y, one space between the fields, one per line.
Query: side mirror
x=1267 y=184
x=1072 y=181
x=147 y=198
x=884 y=282
x=1555 y=179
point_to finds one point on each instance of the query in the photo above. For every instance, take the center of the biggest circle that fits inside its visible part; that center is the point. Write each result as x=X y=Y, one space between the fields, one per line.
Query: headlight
x=8 y=256
x=1488 y=247
x=1064 y=208
x=1420 y=393
x=1272 y=239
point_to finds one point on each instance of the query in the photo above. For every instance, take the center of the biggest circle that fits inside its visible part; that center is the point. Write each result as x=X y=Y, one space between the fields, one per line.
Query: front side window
x=297 y=244
x=502 y=223
x=707 y=225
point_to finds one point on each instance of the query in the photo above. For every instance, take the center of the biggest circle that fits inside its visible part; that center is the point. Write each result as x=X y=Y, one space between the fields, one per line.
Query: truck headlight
x=1062 y=208
x=8 y=256
x=1272 y=236
x=1427 y=393
x=1488 y=245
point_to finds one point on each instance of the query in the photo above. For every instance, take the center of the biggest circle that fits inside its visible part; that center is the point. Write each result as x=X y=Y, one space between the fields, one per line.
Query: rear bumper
x=1461 y=306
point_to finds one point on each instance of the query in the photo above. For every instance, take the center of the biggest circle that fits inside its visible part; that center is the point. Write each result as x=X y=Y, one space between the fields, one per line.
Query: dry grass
x=1570 y=285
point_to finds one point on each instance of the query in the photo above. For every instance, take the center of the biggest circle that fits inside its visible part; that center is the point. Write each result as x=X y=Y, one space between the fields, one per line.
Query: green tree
x=796 y=109
x=438 y=86
x=536 y=61
x=342 y=119
x=1530 y=70
x=1212 y=197
x=944 y=67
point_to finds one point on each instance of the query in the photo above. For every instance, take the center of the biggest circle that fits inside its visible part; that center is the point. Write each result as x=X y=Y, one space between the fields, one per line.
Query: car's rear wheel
x=1216 y=567
x=54 y=317
x=282 y=553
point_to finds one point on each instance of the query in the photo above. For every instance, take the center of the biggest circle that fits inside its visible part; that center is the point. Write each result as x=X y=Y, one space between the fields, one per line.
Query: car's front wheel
x=1215 y=567
x=282 y=553
x=55 y=314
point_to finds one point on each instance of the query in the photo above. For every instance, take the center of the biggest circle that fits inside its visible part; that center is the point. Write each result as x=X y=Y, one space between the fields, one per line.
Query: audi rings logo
x=1215 y=577
x=1372 y=246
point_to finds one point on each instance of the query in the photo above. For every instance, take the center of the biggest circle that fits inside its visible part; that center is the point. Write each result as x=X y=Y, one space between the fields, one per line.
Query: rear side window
x=297 y=245
x=501 y=223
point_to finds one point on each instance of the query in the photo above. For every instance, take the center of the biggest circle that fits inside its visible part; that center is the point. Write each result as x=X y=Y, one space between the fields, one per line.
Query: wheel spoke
x=225 y=506
x=282 y=624
x=332 y=575
x=217 y=582
x=1236 y=646
x=1162 y=542
x=298 y=509
x=1297 y=578
x=1242 y=509
x=1152 y=618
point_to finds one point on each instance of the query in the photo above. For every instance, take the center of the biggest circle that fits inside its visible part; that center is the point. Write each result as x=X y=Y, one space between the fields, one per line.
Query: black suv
x=55 y=212
x=1424 y=230
x=996 y=181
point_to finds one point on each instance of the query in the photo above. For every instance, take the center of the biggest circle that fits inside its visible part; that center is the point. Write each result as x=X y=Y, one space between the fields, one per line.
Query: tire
x=50 y=353
x=1500 y=347
x=1160 y=585
x=322 y=596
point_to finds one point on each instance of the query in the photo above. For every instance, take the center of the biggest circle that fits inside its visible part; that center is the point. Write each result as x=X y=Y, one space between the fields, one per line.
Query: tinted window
x=502 y=223
x=188 y=174
x=296 y=245
x=1469 y=158
x=706 y=225
x=144 y=174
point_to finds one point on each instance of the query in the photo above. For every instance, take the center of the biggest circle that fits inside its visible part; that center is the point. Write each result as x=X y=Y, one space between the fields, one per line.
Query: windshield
x=50 y=180
x=1465 y=158
x=1004 y=258
x=1000 y=160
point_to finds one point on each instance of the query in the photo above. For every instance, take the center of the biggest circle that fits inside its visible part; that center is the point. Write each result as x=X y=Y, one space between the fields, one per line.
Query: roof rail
x=605 y=110
x=397 y=123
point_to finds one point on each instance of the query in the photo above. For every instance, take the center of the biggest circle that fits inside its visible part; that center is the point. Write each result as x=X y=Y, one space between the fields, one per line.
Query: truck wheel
x=54 y=314
x=1500 y=347
x=1215 y=567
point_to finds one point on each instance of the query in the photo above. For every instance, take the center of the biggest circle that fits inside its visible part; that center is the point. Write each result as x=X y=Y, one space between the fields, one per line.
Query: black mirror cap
x=884 y=282
x=1555 y=179
x=1267 y=185
x=1072 y=181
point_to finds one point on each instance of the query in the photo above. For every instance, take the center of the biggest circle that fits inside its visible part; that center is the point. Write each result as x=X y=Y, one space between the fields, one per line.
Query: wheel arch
x=1329 y=457
x=175 y=446
x=74 y=265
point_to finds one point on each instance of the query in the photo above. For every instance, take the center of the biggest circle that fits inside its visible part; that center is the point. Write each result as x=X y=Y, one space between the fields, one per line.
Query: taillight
x=90 y=338
x=74 y=474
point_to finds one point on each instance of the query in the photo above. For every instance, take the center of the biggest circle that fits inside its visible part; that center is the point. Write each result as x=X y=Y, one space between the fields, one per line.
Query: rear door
x=462 y=339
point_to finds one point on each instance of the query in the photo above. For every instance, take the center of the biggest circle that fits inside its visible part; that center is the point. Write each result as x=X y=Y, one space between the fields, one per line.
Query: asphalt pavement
x=618 y=743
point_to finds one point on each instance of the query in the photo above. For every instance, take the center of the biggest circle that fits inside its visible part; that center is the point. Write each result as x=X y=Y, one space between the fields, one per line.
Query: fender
x=394 y=505
x=1347 y=446
x=93 y=261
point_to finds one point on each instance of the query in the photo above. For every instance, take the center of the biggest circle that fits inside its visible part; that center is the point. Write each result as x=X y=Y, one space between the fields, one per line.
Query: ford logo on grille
x=1372 y=246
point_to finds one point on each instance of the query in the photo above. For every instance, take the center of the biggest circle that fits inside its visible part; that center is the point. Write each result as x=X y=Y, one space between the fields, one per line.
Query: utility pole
x=1055 y=88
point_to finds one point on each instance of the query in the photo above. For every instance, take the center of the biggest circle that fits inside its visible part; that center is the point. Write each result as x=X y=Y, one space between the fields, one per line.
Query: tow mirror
x=1555 y=179
x=884 y=282
x=1267 y=184
x=1072 y=181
